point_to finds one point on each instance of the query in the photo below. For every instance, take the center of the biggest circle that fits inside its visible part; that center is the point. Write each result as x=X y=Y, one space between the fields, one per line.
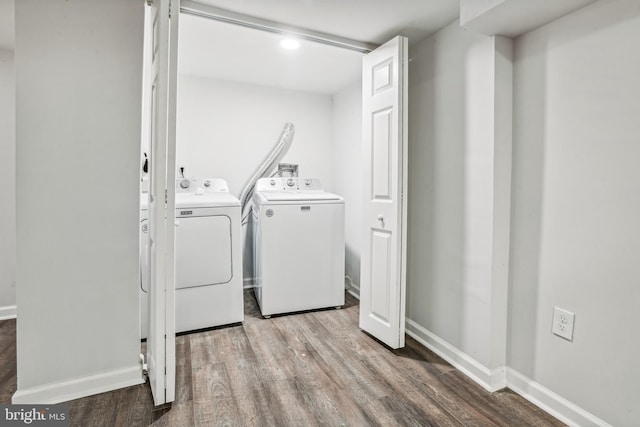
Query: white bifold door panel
x=384 y=132
x=161 y=337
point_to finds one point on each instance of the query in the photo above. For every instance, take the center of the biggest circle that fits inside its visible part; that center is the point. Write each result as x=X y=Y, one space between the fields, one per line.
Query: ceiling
x=514 y=17
x=224 y=51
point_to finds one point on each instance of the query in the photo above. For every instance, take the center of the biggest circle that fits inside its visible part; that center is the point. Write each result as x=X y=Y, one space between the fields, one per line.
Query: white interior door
x=384 y=132
x=161 y=336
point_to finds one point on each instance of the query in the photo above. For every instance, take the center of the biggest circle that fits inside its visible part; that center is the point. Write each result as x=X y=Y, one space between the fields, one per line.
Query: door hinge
x=149 y=2
x=166 y=196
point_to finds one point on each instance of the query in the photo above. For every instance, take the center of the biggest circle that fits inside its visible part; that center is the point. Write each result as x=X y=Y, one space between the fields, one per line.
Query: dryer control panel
x=201 y=185
x=288 y=184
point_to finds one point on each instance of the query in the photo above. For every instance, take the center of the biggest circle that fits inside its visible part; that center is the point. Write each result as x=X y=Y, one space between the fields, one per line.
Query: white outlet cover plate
x=563 y=323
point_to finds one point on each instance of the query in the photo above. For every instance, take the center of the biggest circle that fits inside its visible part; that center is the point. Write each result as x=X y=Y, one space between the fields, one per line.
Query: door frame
x=194 y=8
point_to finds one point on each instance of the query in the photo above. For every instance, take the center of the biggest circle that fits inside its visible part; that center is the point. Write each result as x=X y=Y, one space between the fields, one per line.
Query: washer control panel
x=288 y=184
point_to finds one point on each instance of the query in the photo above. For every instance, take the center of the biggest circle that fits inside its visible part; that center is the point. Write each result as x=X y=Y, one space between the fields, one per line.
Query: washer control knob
x=290 y=182
x=207 y=183
x=185 y=183
x=272 y=182
x=307 y=182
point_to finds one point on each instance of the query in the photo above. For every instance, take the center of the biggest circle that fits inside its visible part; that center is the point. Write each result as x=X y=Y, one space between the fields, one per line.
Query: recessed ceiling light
x=290 y=44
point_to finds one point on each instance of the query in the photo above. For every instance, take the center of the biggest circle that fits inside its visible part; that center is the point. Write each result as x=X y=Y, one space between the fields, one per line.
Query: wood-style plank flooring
x=307 y=369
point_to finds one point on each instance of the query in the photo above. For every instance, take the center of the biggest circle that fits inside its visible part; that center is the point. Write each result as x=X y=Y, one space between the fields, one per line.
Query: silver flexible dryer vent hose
x=275 y=155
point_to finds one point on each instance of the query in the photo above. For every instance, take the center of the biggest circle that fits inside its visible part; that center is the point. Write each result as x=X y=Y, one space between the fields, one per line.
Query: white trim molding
x=551 y=402
x=223 y=15
x=490 y=379
x=8 y=312
x=499 y=378
x=248 y=283
x=351 y=287
x=81 y=387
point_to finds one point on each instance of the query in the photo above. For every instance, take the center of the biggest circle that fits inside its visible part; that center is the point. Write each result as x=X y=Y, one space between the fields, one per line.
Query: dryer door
x=203 y=251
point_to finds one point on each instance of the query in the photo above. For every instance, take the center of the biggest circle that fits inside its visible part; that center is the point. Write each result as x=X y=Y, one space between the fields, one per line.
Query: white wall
x=7 y=185
x=78 y=80
x=226 y=129
x=347 y=171
x=458 y=184
x=576 y=208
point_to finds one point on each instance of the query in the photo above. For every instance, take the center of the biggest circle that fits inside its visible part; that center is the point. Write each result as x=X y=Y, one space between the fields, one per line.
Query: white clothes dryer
x=298 y=231
x=208 y=256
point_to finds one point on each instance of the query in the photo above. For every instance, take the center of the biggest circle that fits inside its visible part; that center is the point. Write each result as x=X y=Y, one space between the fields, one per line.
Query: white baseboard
x=8 y=312
x=496 y=379
x=490 y=379
x=351 y=287
x=81 y=387
x=554 y=404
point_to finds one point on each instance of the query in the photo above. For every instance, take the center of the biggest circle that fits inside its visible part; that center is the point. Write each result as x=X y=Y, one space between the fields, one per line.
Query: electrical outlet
x=563 y=323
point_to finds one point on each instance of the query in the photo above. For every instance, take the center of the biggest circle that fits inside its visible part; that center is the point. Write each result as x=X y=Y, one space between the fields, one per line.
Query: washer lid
x=206 y=200
x=290 y=196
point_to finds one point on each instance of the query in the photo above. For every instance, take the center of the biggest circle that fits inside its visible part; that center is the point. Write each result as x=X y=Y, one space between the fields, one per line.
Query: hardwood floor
x=7 y=360
x=306 y=369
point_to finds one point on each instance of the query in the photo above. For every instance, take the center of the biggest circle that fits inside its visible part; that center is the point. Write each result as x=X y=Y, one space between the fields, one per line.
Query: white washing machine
x=298 y=245
x=208 y=256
